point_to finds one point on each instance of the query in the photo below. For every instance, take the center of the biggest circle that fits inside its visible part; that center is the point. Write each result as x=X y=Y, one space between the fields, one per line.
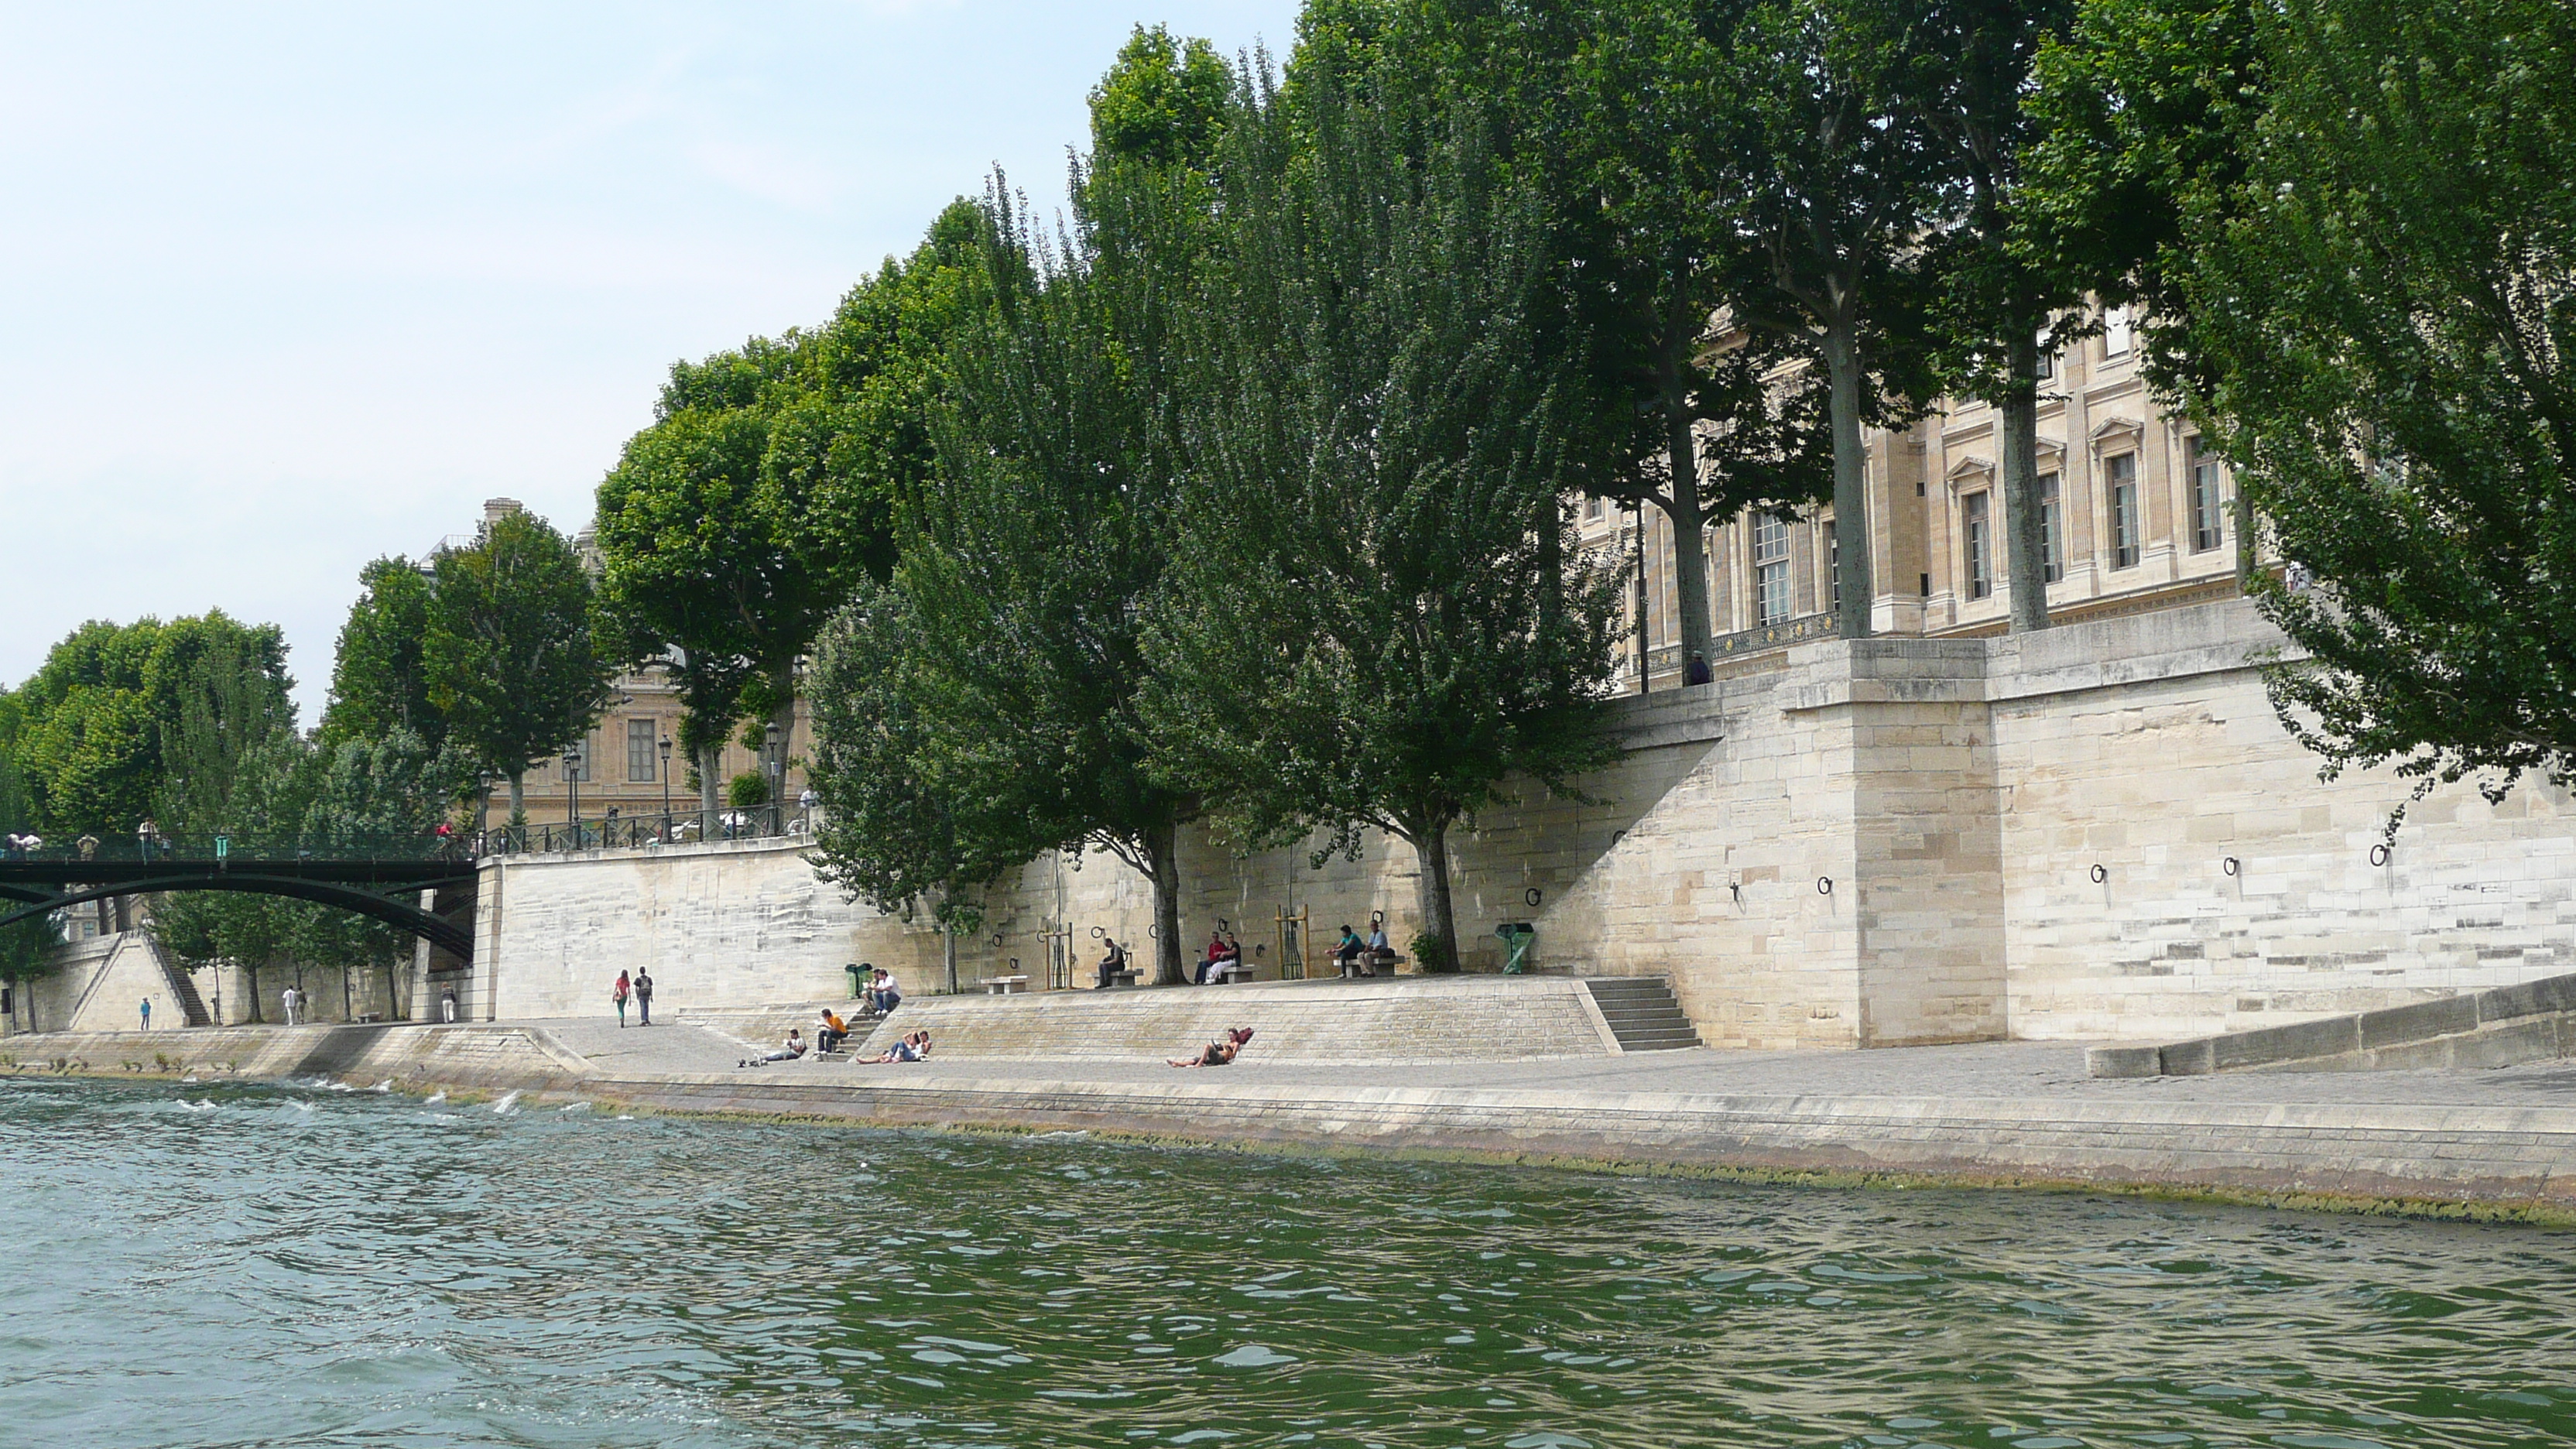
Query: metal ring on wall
x=2230 y=864
x=1154 y=932
x=1824 y=885
x=1100 y=933
x=2099 y=872
x=1377 y=918
x=2380 y=854
x=1531 y=896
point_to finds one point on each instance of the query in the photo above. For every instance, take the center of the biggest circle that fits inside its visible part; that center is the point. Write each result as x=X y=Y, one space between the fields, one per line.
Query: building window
x=640 y=736
x=1771 y=569
x=1981 y=549
x=2206 y=505
x=2119 y=332
x=1834 y=567
x=2052 y=530
x=1595 y=510
x=2123 y=474
x=2047 y=364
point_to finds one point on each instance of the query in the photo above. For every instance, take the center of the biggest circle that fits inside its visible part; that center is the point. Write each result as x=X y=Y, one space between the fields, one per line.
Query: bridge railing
x=248 y=847
x=621 y=831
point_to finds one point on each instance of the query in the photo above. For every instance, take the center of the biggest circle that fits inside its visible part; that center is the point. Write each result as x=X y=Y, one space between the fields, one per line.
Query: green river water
x=215 y=1265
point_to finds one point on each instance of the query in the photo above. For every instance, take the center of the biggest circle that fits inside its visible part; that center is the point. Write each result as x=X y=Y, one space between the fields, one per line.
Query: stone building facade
x=2140 y=516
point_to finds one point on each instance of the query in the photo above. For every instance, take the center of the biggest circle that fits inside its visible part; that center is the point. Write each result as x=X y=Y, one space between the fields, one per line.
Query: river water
x=212 y=1265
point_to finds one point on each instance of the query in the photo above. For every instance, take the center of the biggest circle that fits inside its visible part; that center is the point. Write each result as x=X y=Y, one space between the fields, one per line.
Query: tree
x=27 y=956
x=511 y=655
x=894 y=831
x=1996 y=298
x=1163 y=102
x=102 y=719
x=763 y=493
x=380 y=672
x=1812 y=141
x=362 y=791
x=1392 y=619
x=1028 y=567
x=2378 y=322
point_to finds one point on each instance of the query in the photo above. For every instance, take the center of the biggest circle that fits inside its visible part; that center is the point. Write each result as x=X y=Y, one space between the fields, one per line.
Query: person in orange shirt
x=834 y=1031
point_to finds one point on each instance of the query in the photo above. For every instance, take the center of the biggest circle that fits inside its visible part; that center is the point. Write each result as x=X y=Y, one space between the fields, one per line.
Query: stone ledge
x=2533 y=1021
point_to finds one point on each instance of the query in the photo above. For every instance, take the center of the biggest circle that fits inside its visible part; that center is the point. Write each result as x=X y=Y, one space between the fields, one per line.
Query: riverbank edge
x=2506 y=1165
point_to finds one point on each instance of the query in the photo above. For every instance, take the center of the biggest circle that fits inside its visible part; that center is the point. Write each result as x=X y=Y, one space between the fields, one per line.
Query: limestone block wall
x=1883 y=842
x=2146 y=746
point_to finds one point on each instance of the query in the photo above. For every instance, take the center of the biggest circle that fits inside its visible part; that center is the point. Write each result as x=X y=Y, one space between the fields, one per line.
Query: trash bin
x=1516 y=937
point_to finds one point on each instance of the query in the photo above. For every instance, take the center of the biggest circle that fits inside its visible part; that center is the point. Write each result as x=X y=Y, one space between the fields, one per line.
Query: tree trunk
x=1438 y=917
x=1162 y=852
x=1690 y=554
x=518 y=795
x=1851 y=478
x=710 y=788
x=2018 y=418
x=252 y=972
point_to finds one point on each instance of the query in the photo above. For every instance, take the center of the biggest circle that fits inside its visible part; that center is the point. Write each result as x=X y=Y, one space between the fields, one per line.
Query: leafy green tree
x=361 y=791
x=1997 y=296
x=2379 y=324
x=1379 y=616
x=1163 y=102
x=102 y=719
x=512 y=658
x=1029 y=566
x=1809 y=132
x=27 y=956
x=763 y=494
x=892 y=832
x=380 y=673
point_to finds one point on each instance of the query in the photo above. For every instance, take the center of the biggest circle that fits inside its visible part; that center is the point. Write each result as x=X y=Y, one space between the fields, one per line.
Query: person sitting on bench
x=834 y=1031
x=1215 y=953
x=1113 y=963
x=788 y=1051
x=1379 y=953
x=1229 y=962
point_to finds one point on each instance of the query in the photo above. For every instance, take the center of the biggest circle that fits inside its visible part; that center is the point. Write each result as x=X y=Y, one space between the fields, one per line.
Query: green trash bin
x=1516 y=937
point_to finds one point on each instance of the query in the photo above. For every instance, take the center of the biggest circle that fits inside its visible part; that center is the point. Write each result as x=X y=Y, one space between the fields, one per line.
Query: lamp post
x=665 y=747
x=777 y=777
x=572 y=777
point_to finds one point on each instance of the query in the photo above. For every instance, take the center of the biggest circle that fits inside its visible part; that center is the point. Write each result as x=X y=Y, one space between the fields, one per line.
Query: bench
x=1005 y=985
x=1371 y=962
x=1227 y=972
x=1127 y=977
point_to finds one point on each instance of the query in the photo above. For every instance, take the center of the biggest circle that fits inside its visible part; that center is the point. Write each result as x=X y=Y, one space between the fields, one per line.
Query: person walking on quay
x=643 y=997
x=287 y=1001
x=447 y=1005
x=147 y=1013
x=617 y=994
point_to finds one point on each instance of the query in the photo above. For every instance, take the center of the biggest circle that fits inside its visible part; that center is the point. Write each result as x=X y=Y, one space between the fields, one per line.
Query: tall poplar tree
x=1380 y=616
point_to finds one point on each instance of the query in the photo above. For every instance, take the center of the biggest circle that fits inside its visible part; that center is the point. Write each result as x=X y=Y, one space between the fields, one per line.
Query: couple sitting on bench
x=1224 y=959
x=1362 y=958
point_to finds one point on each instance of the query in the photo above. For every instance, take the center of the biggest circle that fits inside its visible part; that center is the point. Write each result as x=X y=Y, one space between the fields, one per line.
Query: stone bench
x=1005 y=985
x=1128 y=977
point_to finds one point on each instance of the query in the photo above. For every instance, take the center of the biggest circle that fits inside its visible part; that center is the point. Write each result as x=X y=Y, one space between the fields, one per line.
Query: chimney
x=496 y=509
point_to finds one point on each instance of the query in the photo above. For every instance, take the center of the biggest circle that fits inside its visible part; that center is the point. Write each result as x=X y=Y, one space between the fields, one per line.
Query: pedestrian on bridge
x=643 y=996
x=617 y=994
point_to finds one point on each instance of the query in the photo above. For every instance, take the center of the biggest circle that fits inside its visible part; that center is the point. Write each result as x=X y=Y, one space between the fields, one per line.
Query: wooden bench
x=1005 y=985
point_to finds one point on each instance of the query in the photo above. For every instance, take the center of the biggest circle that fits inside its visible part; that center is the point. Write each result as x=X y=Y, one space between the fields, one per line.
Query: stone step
x=1642 y=1014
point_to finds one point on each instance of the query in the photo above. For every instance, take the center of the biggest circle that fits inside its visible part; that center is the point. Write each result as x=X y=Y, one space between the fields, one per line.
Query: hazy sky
x=286 y=288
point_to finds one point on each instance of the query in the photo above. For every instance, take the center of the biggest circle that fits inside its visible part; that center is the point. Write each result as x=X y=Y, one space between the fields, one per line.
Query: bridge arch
x=439 y=932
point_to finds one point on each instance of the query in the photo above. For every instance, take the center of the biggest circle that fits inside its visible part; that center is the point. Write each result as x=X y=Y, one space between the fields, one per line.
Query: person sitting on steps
x=834 y=1031
x=1218 y=1053
x=915 y=1047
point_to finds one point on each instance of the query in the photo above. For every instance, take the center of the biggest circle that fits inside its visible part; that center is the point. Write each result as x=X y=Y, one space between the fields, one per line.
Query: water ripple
x=233 y=1264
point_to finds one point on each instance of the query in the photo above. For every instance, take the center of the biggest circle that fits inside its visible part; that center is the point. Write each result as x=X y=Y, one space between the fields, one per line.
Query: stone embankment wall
x=425 y=1056
x=1883 y=842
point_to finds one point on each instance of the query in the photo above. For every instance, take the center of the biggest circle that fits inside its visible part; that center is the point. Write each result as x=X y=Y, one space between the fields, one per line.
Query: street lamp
x=572 y=777
x=777 y=777
x=665 y=747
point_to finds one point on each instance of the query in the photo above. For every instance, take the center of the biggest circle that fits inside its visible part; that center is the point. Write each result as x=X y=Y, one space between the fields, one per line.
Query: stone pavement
x=2017 y=1071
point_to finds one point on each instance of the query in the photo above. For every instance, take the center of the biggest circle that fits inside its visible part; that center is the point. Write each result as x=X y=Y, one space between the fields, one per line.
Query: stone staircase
x=183 y=989
x=1643 y=1014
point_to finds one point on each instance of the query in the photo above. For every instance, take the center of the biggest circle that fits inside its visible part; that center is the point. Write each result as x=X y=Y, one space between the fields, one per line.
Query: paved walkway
x=2016 y=1071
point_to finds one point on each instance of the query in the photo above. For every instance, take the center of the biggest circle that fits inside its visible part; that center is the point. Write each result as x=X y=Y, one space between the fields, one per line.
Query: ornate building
x=2138 y=516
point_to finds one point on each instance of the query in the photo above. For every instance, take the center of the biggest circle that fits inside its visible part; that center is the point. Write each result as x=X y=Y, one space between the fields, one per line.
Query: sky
x=287 y=288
